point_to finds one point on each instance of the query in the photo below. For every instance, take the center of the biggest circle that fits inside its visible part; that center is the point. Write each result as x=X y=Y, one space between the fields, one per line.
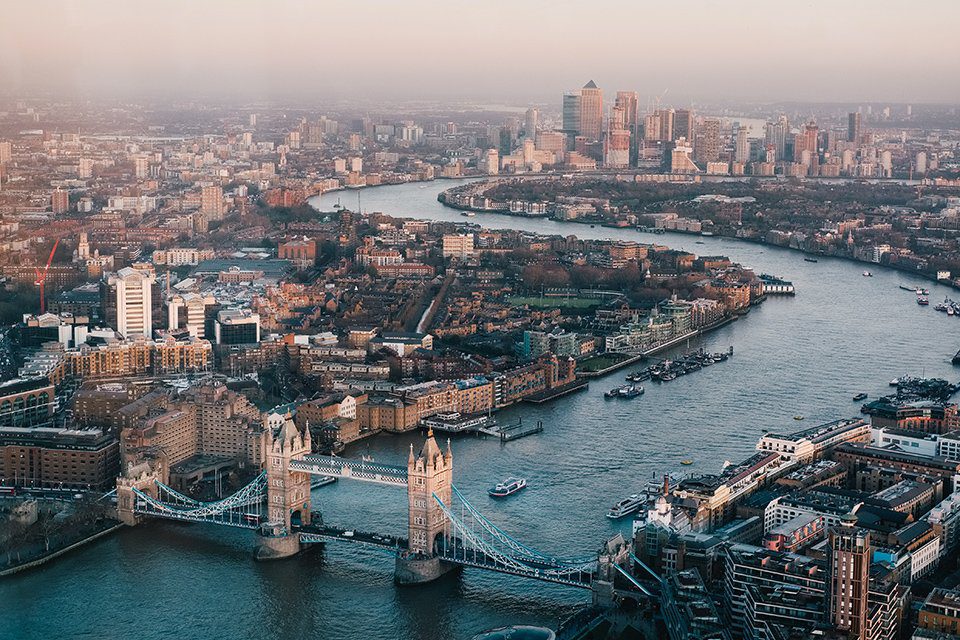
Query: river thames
x=808 y=355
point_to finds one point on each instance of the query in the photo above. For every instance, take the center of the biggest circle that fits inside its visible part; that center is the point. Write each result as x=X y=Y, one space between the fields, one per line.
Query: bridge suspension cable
x=491 y=554
x=233 y=510
x=509 y=541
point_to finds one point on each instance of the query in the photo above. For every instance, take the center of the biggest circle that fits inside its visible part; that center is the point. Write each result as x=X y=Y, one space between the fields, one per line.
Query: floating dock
x=519 y=430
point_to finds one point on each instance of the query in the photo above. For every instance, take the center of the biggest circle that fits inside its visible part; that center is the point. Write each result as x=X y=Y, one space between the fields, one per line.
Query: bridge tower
x=429 y=474
x=288 y=492
x=137 y=476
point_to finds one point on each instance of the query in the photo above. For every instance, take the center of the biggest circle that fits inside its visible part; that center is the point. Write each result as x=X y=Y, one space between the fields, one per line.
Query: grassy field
x=550 y=302
x=597 y=363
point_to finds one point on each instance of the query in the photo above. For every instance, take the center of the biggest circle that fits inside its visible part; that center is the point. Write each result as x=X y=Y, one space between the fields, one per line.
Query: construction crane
x=42 y=277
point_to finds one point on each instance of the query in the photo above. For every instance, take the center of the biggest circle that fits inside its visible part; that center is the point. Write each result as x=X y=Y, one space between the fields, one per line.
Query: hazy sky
x=519 y=50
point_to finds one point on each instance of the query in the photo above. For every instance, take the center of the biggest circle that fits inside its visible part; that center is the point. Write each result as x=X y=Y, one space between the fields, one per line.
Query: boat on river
x=626 y=391
x=923 y=301
x=867 y=274
x=625 y=507
x=810 y=260
x=859 y=397
x=508 y=487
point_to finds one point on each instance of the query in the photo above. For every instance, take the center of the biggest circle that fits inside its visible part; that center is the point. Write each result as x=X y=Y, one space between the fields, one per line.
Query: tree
x=49 y=525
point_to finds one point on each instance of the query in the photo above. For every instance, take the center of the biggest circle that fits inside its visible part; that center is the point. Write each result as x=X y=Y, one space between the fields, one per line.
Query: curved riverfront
x=842 y=334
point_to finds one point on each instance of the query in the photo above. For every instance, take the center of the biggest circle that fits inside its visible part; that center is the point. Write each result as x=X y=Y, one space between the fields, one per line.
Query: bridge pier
x=277 y=547
x=412 y=569
x=288 y=491
x=276 y=544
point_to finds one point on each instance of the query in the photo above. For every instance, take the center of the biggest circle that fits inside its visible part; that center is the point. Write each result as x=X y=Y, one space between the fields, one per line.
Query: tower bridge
x=444 y=531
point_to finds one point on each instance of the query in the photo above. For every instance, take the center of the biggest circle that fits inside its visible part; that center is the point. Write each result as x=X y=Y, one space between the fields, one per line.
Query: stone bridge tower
x=288 y=492
x=142 y=475
x=427 y=474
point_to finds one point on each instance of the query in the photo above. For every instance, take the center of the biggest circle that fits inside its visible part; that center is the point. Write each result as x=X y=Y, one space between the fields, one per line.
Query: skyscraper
x=707 y=147
x=683 y=125
x=505 y=141
x=571 y=114
x=659 y=125
x=530 y=123
x=666 y=125
x=133 y=291
x=617 y=148
x=629 y=102
x=849 y=556
x=806 y=140
x=776 y=135
x=591 y=111
x=651 y=126
x=742 y=148
x=853 y=127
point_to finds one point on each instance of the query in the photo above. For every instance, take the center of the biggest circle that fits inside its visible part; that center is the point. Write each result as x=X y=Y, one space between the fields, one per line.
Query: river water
x=843 y=333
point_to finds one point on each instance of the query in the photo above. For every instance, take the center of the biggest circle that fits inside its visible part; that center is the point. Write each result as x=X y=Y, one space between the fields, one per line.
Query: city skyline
x=377 y=50
x=475 y=321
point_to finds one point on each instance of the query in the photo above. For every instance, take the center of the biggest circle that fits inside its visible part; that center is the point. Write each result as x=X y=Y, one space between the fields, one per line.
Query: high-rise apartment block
x=60 y=201
x=850 y=556
x=707 y=145
x=211 y=202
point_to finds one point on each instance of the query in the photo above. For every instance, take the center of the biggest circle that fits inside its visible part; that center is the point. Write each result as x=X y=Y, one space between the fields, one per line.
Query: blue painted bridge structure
x=444 y=529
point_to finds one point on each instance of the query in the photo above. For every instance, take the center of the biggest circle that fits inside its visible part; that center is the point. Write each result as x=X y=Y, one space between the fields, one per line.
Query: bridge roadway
x=312 y=534
x=354 y=469
x=456 y=552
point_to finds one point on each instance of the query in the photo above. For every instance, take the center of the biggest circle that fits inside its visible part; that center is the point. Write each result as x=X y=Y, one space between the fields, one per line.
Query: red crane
x=42 y=277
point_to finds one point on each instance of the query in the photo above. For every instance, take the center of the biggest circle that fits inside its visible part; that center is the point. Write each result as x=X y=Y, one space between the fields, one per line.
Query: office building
x=591 y=111
x=237 y=326
x=59 y=458
x=189 y=311
x=531 y=122
x=570 y=117
x=629 y=104
x=808 y=444
x=683 y=124
x=132 y=290
x=853 y=127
